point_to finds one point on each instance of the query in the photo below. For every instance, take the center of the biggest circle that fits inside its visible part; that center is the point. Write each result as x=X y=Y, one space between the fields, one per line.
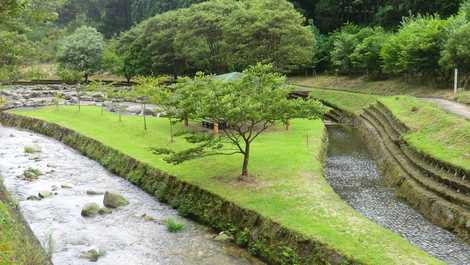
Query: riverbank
x=290 y=213
x=18 y=246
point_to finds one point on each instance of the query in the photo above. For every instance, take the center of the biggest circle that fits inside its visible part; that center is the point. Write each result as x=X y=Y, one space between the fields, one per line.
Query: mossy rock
x=90 y=210
x=114 y=200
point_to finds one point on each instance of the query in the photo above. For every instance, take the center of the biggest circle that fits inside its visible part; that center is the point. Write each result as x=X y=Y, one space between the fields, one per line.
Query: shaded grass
x=289 y=186
x=433 y=131
x=16 y=245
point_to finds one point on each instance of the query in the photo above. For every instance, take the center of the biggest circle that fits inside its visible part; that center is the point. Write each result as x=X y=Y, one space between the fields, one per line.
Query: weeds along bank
x=18 y=245
x=288 y=215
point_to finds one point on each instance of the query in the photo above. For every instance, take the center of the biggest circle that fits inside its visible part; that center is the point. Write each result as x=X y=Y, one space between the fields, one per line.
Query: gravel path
x=452 y=107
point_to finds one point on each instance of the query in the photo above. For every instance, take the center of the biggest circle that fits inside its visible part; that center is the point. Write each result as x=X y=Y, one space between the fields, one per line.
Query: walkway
x=452 y=107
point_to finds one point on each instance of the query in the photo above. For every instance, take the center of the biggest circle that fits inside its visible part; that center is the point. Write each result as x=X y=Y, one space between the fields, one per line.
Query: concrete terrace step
x=440 y=189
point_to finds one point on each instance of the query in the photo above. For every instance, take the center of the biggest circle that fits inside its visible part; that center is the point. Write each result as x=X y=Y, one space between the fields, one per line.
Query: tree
x=247 y=108
x=366 y=56
x=219 y=36
x=145 y=90
x=117 y=95
x=82 y=51
x=416 y=48
x=456 y=53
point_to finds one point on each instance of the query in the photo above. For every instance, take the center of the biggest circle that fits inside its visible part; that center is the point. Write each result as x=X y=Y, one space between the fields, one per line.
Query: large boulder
x=90 y=210
x=114 y=200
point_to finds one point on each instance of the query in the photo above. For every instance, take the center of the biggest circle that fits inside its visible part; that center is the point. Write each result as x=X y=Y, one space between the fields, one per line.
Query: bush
x=366 y=56
x=68 y=74
x=416 y=48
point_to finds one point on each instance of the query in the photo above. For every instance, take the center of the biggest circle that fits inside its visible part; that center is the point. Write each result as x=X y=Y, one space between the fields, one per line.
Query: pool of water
x=354 y=175
x=125 y=236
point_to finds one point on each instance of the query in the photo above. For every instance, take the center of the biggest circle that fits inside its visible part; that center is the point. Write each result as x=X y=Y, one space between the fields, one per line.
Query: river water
x=125 y=236
x=354 y=175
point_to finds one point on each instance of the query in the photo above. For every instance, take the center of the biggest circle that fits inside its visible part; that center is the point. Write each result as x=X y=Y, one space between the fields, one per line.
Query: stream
x=132 y=235
x=354 y=175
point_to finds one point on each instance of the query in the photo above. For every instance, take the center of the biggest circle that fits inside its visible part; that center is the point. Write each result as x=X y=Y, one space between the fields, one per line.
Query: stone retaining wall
x=265 y=238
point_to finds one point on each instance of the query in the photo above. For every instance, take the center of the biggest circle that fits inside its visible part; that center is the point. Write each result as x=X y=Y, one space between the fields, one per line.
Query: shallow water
x=354 y=175
x=125 y=236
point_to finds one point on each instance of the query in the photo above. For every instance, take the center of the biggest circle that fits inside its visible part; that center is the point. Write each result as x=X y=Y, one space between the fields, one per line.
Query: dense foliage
x=82 y=51
x=219 y=36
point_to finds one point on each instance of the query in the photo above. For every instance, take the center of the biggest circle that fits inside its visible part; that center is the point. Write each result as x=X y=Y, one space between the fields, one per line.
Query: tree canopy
x=219 y=36
x=82 y=51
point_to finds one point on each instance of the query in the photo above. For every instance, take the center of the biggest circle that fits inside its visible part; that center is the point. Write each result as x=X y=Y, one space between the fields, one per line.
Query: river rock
x=66 y=186
x=92 y=255
x=103 y=211
x=114 y=200
x=90 y=210
x=33 y=198
x=44 y=194
x=223 y=237
x=94 y=192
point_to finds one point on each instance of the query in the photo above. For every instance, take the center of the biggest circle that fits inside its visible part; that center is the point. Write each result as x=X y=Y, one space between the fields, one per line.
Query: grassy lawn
x=351 y=102
x=393 y=86
x=289 y=187
x=434 y=131
x=16 y=247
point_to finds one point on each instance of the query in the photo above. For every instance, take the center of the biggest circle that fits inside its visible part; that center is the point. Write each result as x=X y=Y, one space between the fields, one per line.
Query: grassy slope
x=351 y=102
x=16 y=247
x=290 y=188
x=433 y=131
x=363 y=85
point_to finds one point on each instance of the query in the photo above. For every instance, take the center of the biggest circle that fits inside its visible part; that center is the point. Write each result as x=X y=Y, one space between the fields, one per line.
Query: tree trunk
x=246 y=160
x=86 y=77
x=145 y=119
x=102 y=108
x=171 y=131
x=287 y=125
x=186 y=121
x=78 y=99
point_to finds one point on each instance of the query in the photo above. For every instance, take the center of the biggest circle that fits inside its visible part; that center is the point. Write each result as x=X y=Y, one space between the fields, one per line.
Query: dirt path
x=452 y=107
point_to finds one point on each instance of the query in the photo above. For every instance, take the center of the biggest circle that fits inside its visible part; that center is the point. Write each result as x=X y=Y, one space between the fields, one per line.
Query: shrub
x=416 y=48
x=173 y=226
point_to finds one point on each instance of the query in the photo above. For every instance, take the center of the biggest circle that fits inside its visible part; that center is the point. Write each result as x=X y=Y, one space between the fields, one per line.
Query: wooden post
x=216 y=128
x=456 y=81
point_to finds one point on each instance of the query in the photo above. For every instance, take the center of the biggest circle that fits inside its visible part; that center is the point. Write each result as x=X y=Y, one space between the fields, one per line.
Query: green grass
x=433 y=131
x=463 y=97
x=173 y=226
x=16 y=247
x=351 y=102
x=289 y=187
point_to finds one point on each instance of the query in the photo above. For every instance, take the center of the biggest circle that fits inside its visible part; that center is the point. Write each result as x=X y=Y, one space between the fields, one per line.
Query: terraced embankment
x=438 y=190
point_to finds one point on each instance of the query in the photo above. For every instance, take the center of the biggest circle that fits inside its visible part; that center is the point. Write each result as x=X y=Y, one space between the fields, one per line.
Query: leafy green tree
x=270 y=32
x=456 y=53
x=416 y=48
x=366 y=56
x=247 y=108
x=82 y=51
x=219 y=36
x=145 y=90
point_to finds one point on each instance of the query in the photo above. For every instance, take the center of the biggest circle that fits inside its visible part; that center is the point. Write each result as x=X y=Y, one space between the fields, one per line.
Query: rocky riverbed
x=124 y=226
x=27 y=96
x=354 y=175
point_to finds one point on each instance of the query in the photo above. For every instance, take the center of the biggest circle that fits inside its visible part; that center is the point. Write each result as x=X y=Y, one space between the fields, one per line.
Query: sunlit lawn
x=289 y=186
